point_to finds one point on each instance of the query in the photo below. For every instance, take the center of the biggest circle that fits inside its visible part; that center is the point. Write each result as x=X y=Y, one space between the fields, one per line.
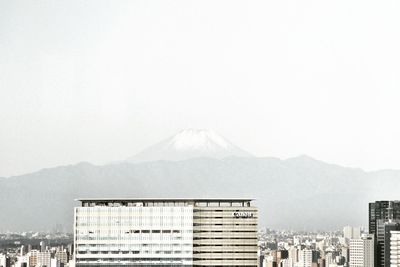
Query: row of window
x=140 y=264
x=136 y=252
x=141 y=244
x=134 y=248
x=135 y=231
x=139 y=237
x=133 y=211
x=225 y=238
x=134 y=260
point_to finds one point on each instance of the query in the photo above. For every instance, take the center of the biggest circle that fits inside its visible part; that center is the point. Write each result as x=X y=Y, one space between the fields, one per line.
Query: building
x=4 y=261
x=351 y=232
x=362 y=251
x=321 y=262
x=378 y=210
x=383 y=241
x=282 y=255
x=61 y=256
x=395 y=249
x=55 y=263
x=293 y=254
x=305 y=258
x=38 y=258
x=32 y=258
x=22 y=261
x=346 y=252
x=384 y=217
x=165 y=232
x=286 y=263
x=42 y=246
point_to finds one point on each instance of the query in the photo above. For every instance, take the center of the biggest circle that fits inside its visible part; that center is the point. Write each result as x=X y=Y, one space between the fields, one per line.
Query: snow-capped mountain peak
x=198 y=139
x=191 y=143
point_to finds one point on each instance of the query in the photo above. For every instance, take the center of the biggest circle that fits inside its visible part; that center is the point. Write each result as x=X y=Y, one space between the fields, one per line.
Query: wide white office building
x=165 y=232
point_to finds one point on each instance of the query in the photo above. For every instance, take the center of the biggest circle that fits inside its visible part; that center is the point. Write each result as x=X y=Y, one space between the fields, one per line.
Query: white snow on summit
x=191 y=143
x=198 y=139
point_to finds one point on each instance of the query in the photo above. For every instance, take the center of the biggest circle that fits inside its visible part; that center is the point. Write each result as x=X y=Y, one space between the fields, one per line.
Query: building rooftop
x=148 y=202
x=163 y=199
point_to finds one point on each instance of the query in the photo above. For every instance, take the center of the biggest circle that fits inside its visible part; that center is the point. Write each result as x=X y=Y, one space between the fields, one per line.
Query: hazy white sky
x=100 y=80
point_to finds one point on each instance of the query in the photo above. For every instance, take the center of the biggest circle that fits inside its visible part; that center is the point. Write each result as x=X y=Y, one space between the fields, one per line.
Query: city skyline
x=212 y=133
x=201 y=232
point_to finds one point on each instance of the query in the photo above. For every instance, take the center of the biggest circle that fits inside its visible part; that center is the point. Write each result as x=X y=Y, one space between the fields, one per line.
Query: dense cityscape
x=195 y=231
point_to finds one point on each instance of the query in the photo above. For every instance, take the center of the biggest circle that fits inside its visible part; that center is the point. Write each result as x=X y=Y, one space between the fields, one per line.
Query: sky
x=99 y=81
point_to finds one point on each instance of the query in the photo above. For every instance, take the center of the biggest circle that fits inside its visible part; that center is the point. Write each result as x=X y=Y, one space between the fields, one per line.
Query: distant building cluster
x=44 y=255
x=354 y=247
x=305 y=249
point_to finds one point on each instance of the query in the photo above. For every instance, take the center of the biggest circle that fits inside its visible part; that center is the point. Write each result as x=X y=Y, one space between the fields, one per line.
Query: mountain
x=188 y=144
x=297 y=193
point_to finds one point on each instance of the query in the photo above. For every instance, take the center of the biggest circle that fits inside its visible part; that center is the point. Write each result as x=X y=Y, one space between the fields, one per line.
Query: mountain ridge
x=288 y=195
x=295 y=193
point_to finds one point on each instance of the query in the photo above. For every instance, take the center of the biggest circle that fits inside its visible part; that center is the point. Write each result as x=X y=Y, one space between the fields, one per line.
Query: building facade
x=395 y=249
x=305 y=258
x=350 y=232
x=383 y=238
x=62 y=256
x=380 y=210
x=165 y=232
x=38 y=258
x=4 y=261
x=362 y=251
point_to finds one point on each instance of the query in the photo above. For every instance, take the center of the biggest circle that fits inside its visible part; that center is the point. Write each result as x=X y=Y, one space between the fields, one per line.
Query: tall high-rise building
x=378 y=210
x=350 y=232
x=305 y=258
x=346 y=252
x=293 y=254
x=362 y=251
x=383 y=237
x=395 y=249
x=329 y=259
x=42 y=246
x=165 y=232
x=38 y=258
x=22 y=251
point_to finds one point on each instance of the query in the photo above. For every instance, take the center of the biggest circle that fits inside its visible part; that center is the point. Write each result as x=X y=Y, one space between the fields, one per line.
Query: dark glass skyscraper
x=384 y=216
x=378 y=210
